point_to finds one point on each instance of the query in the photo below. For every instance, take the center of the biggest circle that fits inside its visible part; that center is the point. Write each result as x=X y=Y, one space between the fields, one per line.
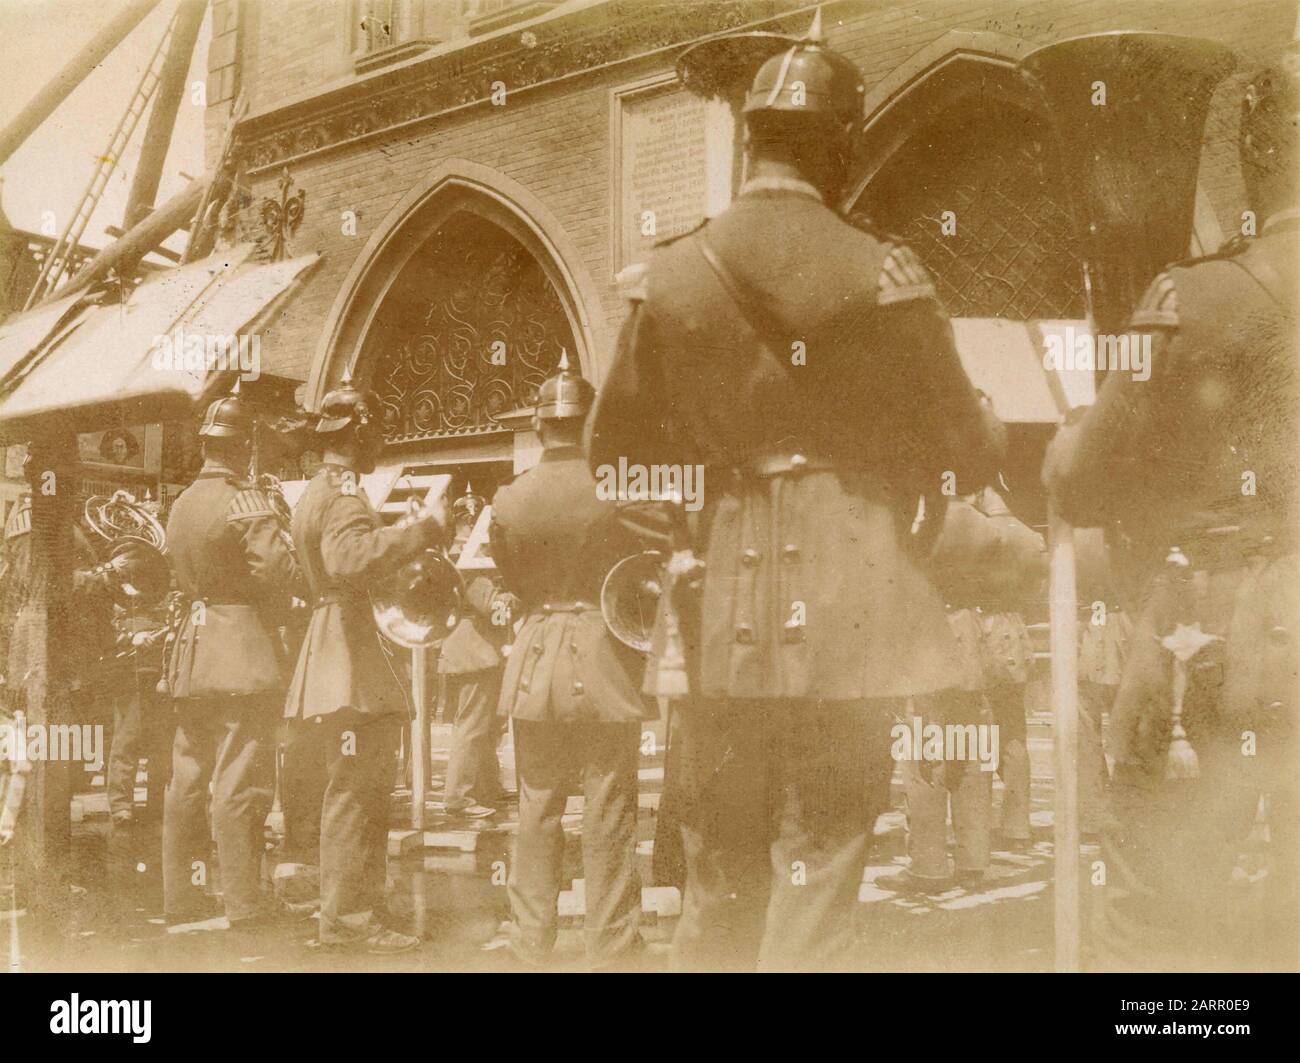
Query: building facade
x=478 y=174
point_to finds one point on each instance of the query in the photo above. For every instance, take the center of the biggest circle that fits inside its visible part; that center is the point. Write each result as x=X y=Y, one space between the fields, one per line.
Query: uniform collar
x=565 y=453
x=781 y=184
x=212 y=470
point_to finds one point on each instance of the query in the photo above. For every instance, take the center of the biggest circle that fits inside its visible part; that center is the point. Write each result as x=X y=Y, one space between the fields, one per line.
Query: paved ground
x=456 y=880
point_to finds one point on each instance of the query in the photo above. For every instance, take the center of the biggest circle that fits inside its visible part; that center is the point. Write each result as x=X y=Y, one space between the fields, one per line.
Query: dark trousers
x=931 y=785
x=142 y=730
x=226 y=742
x=1094 y=777
x=553 y=758
x=1170 y=902
x=304 y=775
x=357 y=752
x=1007 y=704
x=472 y=770
x=779 y=801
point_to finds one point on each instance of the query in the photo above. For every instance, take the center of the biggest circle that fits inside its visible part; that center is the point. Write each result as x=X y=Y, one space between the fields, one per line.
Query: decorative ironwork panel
x=469 y=332
x=1014 y=253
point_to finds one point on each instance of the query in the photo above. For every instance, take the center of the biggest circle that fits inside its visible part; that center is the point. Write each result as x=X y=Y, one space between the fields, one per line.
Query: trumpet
x=421 y=603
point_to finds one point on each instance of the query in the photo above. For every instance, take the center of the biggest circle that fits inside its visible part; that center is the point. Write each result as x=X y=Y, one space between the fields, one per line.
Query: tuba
x=135 y=541
x=421 y=603
x=1127 y=113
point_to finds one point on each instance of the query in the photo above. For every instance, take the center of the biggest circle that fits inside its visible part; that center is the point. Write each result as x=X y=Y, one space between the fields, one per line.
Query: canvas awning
x=1004 y=359
x=85 y=366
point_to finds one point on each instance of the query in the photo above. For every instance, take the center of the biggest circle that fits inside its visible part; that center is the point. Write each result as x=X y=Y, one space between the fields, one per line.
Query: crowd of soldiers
x=811 y=611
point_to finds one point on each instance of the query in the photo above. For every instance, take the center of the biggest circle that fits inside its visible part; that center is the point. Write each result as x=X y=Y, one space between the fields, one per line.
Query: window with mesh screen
x=1014 y=253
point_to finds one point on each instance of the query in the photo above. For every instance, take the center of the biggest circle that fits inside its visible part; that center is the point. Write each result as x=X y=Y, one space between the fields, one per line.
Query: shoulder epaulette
x=903 y=277
x=249 y=503
x=1158 y=307
x=682 y=235
x=631 y=282
x=866 y=224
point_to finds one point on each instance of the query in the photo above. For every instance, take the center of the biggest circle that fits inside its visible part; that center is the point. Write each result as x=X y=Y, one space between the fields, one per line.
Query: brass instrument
x=1128 y=164
x=421 y=603
x=629 y=598
x=135 y=541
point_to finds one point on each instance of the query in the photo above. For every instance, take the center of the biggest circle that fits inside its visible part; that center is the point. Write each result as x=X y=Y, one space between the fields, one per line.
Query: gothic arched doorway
x=467 y=332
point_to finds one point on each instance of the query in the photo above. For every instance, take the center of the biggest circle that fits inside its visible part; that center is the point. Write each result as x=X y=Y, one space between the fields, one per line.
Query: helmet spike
x=564 y=393
x=815 y=35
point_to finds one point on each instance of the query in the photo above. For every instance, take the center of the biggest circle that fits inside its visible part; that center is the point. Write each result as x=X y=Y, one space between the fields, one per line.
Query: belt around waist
x=578 y=606
x=767 y=465
x=1231 y=547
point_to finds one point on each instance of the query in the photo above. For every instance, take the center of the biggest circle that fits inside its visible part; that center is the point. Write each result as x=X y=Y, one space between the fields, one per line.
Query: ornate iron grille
x=471 y=329
x=1014 y=253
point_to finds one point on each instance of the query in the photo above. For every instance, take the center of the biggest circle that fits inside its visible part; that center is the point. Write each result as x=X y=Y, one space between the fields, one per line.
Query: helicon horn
x=1127 y=110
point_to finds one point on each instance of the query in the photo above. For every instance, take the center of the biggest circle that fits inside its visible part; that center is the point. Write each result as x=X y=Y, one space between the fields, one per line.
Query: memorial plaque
x=675 y=161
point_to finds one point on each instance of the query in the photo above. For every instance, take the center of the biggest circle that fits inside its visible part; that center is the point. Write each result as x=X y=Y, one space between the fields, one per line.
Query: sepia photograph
x=653 y=487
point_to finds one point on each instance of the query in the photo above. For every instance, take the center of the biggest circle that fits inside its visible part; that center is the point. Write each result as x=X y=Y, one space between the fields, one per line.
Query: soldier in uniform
x=471 y=659
x=141 y=714
x=809 y=368
x=1105 y=635
x=1197 y=465
x=346 y=700
x=570 y=687
x=985 y=562
x=235 y=568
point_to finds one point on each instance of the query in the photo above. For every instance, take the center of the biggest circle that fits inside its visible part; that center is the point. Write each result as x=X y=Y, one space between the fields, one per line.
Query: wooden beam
x=123 y=254
x=74 y=72
x=162 y=116
x=1065 y=725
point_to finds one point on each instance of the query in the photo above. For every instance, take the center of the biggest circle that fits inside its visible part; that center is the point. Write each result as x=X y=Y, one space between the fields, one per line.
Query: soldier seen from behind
x=227 y=669
x=1197 y=467
x=809 y=367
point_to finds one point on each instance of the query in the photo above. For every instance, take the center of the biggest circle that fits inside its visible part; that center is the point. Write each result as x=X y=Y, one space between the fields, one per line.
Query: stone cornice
x=542 y=53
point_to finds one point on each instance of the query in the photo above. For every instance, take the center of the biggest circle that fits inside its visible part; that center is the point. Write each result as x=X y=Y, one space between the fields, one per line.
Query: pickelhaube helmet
x=467 y=507
x=808 y=78
x=1270 y=116
x=346 y=406
x=228 y=417
x=565 y=394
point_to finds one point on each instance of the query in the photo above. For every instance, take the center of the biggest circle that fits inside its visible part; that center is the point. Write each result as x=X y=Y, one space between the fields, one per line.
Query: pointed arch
x=454 y=186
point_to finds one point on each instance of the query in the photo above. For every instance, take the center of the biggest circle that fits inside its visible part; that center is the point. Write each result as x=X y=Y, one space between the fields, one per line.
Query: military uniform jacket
x=475 y=644
x=234 y=564
x=554 y=542
x=988 y=564
x=1167 y=458
x=344 y=548
x=848 y=378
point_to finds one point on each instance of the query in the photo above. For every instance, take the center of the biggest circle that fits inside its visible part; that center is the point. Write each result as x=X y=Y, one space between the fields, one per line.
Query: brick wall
x=555 y=141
